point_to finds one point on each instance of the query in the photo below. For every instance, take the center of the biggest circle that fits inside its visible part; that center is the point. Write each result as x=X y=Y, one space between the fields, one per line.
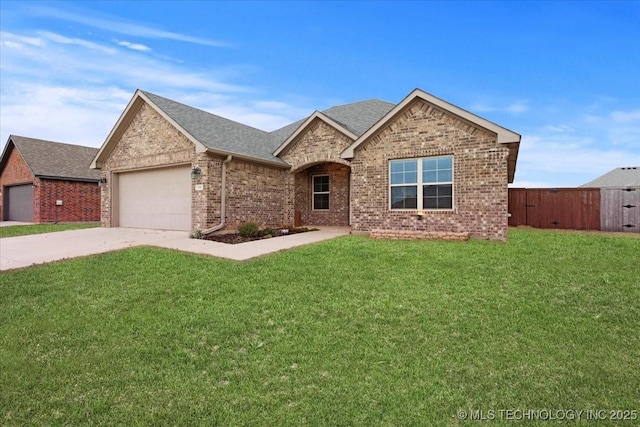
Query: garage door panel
x=19 y=199
x=156 y=198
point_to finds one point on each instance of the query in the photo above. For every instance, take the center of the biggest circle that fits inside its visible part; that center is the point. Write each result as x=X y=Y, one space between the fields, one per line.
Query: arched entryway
x=322 y=194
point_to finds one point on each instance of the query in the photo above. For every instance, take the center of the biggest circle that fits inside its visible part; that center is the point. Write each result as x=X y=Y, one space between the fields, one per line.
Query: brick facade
x=271 y=196
x=80 y=200
x=338 y=212
x=15 y=172
x=317 y=152
x=320 y=143
x=254 y=193
x=148 y=141
x=422 y=130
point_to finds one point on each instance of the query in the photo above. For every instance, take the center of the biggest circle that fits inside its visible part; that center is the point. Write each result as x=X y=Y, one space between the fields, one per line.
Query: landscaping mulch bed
x=234 y=238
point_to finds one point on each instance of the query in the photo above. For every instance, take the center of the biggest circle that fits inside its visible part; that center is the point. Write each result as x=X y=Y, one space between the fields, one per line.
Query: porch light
x=195 y=172
x=102 y=182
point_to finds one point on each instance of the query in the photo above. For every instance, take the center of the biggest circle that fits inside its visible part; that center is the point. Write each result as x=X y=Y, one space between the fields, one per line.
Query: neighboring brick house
x=45 y=181
x=422 y=167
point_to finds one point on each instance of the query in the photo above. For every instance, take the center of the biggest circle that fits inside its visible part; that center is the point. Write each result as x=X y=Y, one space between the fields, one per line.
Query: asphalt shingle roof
x=619 y=177
x=217 y=132
x=358 y=117
x=226 y=135
x=56 y=159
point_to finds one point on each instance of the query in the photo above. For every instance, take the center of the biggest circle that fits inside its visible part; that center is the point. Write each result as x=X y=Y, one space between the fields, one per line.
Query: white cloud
x=16 y=41
x=133 y=46
x=559 y=128
x=517 y=107
x=557 y=160
x=625 y=116
x=117 y=25
x=73 y=90
x=57 y=38
x=81 y=115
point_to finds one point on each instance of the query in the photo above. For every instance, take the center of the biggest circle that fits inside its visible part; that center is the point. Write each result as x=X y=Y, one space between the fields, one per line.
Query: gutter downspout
x=223 y=198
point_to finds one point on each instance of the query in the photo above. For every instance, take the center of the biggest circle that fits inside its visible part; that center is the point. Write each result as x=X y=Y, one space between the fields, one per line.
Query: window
x=321 y=192
x=421 y=183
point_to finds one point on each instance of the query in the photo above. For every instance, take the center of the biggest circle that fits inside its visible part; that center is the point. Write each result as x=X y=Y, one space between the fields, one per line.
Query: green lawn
x=351 y=331
x=23 y=230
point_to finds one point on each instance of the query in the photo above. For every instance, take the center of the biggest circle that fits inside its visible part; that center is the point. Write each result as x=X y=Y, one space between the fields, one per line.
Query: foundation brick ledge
x=418 y=235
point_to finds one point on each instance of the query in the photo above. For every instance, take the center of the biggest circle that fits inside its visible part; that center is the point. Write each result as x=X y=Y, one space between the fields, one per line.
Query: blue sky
x=565 y=75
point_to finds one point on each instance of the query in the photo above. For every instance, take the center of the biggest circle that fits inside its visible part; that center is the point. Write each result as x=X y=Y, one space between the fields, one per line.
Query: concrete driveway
x=23 y=251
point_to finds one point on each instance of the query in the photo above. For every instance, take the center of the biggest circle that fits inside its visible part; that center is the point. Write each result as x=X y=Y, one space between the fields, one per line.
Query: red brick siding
x=80 y=201
x=15 y=172
x=256 y=193
x=316 y=151
x=422 y=130
x=319 y=143
x=338 y=212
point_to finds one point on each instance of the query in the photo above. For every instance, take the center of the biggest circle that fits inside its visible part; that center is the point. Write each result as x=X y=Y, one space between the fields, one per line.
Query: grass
x=23 y=230
x=351 y=331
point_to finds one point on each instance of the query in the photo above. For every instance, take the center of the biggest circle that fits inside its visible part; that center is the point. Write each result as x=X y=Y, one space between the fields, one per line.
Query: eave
x=136 y=102
x=504 y=135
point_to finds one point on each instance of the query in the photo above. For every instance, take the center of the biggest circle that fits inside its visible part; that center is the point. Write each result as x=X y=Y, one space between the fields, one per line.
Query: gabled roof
x=48 y=159
x=350 y=119
x=207 y=131
x=619 y=177
x=215 y=134
x=504 y=136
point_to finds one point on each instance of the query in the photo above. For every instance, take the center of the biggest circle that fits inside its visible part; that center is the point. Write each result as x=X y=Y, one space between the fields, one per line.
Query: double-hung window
x=424 y=183
x=321 y=192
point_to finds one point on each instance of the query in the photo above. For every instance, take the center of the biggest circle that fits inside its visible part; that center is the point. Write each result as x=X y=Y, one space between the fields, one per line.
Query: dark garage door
x=19 y=203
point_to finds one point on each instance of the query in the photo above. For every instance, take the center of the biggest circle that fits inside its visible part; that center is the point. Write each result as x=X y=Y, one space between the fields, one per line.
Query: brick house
x=44 y=181
x=419 y=167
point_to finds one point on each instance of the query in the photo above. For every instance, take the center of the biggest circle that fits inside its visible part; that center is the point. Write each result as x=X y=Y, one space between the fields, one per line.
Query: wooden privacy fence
x=620 y=209
x=569 y=208
x=607 y=209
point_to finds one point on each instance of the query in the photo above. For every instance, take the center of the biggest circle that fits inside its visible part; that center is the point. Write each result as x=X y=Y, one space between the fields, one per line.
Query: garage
x=19 y=203
x=155 y=198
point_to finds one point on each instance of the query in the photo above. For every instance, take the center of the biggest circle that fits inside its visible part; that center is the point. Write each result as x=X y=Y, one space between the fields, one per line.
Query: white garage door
x=156 y=198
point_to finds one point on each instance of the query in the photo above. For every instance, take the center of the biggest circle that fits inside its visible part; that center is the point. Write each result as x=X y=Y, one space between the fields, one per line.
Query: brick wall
x=316 y=151
x=256 y=193
x=422 y=130
x=15 y=172
x=319 y=143
x=80 y=201
x=338 y=212
x=148 y=141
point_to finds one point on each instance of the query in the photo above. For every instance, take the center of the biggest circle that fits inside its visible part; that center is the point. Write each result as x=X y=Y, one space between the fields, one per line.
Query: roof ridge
x=11 y=137
x=146 y=93
x=358 y=102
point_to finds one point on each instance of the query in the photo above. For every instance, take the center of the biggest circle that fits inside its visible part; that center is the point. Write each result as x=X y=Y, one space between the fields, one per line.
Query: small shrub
x=196 y=234
x=268 y=231
x=248 y=229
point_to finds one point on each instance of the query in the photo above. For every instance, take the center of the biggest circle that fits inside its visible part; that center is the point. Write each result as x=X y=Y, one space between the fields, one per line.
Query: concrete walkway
x=23 y=251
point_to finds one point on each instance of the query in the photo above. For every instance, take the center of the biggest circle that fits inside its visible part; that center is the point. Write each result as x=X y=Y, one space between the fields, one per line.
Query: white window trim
x=314 y=192
x=421 y=184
